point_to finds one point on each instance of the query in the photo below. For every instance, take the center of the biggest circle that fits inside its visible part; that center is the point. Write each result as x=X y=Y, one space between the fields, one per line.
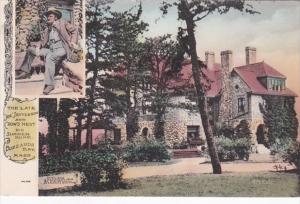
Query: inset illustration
x=49 y=58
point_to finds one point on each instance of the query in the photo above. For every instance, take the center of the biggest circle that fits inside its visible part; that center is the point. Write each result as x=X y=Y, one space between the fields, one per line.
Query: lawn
x=208 y=185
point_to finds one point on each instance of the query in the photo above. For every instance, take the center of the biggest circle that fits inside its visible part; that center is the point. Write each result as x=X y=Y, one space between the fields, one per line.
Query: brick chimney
x=226 y=61
x=250 y=55
x=210 y=60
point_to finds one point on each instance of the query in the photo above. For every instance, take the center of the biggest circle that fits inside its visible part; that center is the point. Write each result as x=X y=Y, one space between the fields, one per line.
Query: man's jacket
x=67 y=32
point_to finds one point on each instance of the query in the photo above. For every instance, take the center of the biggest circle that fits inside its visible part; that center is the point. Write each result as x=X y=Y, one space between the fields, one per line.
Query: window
x=241 y=105
x=117 y=136
x=276 y=84
x=192 y=132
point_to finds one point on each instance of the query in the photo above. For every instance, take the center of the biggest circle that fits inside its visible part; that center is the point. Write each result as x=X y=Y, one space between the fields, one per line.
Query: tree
x=160 y=53
x=126 y=57
x=191 y=12
x=57 y=112
x=48 y=109
x=97 y=62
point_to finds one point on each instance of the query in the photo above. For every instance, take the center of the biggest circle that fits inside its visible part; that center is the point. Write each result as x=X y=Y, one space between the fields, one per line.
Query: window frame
x=241 y=105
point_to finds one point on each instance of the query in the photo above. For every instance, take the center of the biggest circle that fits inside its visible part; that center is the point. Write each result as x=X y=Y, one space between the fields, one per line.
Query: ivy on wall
x=280 y=118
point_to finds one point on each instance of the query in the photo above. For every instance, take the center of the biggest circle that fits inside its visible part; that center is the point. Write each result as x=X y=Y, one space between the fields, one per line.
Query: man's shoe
x=48 y=89
x=22 y=75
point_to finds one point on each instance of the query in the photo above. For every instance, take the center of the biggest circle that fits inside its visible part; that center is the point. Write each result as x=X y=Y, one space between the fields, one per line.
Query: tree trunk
x=89 y=134
x=159 y=124
x=202 y=101
x=78 y=134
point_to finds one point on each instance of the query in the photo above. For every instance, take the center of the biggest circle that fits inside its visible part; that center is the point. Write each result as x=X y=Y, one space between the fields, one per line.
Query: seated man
x=57 y=40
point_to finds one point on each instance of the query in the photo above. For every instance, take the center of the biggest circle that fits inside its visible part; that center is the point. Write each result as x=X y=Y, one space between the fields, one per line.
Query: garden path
x=196 y=165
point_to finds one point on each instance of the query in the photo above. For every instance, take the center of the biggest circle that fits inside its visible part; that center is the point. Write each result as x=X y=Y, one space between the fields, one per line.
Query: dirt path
x=198 y=165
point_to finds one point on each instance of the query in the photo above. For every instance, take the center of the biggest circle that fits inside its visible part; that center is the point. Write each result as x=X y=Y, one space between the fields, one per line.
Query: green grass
x=208 y=185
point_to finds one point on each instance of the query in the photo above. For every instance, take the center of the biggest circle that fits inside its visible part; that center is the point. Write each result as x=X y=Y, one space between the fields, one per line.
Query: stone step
x=261 y=149
x=186 y=153
x=35 y=85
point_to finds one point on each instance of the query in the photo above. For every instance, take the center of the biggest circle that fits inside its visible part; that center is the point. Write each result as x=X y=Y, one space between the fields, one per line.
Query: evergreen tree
x=127 y=58
x=160 y=55
x=98 y=96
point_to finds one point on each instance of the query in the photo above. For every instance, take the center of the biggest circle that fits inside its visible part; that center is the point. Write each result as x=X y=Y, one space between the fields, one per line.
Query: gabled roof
x=251 y=73
x=262 y=69
x=185 y=79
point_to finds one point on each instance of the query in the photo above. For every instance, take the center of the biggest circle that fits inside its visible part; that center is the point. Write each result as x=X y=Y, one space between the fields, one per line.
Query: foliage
x=100 y=168
x=280 y=118
x=160 y=55
x=229 y=149
x=55 y=163
x=292 y=155
x=242 y=130
x=146 y=150
x=126 y=56
x=57 y=116
x=101 y=102
x=288 y=149
x=234 y=143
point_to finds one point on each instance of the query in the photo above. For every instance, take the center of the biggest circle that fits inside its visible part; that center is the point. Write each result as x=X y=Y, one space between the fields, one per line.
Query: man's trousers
x=52 y=58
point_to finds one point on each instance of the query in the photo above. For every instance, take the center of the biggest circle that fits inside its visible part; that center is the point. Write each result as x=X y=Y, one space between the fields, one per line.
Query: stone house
x=234 y=94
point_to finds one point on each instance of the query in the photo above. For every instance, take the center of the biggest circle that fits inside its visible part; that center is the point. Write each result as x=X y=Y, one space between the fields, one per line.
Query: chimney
x=226 y=61
x=250 y=55
x=210 y=60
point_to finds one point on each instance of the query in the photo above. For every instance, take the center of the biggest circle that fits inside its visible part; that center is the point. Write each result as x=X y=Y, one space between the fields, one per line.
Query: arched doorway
x=260 y=134
x=145 y=132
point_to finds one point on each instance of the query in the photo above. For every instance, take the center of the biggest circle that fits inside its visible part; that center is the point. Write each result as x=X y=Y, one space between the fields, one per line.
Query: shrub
x=99 y=167
x=288 y=149
x=181 y=145
x=229 y=149
x=55 y=163
x=146 y=150
x=292 y=154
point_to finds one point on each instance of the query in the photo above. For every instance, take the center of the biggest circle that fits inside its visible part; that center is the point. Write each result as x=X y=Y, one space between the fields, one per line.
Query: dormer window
x=276 y=84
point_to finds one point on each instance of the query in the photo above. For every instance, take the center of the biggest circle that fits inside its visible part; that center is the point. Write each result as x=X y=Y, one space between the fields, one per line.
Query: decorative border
x=8 y=85
x=8 y=42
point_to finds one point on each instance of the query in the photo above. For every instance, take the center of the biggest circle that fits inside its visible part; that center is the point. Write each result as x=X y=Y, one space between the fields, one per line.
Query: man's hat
x=54 y=11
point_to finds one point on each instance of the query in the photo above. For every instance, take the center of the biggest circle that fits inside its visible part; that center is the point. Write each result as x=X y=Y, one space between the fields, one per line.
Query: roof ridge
x=245 y=66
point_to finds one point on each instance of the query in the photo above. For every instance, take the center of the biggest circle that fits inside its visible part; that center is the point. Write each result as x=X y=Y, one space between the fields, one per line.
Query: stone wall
x=177 y=120
x=29 y=18
x=256 y=115
x=29 y=21
x=239 y=90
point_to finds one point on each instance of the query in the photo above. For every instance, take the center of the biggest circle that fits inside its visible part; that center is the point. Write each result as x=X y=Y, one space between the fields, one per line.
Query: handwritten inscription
x=20 y=128
x=60 y=181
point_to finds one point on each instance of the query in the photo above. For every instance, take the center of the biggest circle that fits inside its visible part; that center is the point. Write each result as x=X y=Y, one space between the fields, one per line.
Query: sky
x=275 y=33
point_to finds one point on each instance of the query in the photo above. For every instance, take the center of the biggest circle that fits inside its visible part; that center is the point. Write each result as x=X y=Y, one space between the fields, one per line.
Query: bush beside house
x=234 y=143
x=145 y=150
